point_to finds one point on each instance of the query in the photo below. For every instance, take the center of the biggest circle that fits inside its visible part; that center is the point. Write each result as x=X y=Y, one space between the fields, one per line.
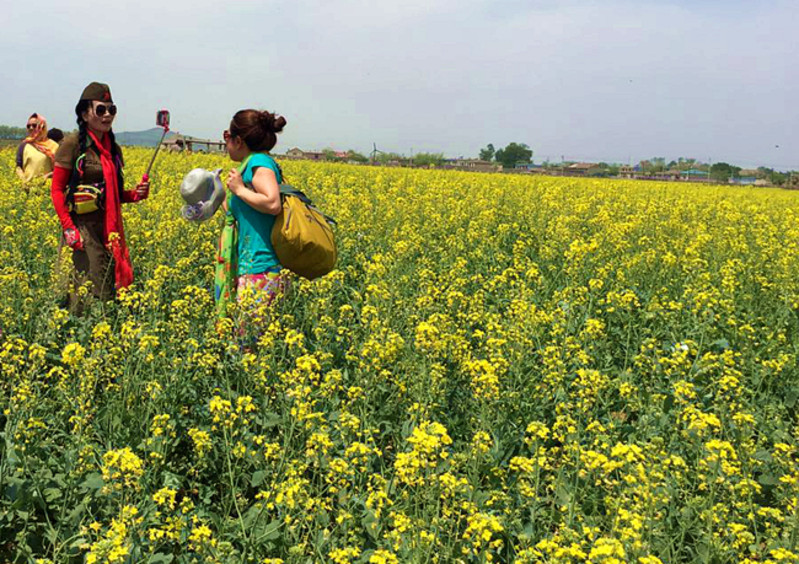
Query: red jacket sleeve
x=59 y=196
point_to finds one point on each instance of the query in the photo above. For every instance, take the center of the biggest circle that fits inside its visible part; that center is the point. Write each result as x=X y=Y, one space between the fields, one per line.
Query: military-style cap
x=97 y=91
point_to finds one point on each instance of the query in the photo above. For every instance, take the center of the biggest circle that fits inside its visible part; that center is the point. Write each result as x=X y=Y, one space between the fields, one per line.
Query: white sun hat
x=203 y=192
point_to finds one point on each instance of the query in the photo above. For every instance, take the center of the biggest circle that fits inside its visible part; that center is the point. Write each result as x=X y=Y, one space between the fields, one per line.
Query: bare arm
x=265 y=197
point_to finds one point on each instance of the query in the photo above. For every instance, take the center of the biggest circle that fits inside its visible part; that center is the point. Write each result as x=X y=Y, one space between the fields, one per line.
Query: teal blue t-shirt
x=256 y=254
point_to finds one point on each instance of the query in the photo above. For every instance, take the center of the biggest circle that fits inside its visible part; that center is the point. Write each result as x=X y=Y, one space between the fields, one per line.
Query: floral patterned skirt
x=265 y=286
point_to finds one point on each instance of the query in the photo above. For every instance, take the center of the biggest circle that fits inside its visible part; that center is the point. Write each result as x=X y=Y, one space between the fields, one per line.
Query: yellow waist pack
x=303 y=236
x=87 y=198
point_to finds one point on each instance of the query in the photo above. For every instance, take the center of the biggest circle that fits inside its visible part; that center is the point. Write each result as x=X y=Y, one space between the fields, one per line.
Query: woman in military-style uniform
x=87 y=193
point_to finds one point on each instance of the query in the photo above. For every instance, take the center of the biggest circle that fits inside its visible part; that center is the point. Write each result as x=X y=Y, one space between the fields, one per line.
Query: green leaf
x=51 y=494
x=171 y=480
x=323 y=518
x=371 y=525
x=160 y=558
x=269 y=419
x=93 y=481
x=763 y=455
x=271 y=531
x=721 y=344
x=257 y=478
x=768 y=480
x=75 y=516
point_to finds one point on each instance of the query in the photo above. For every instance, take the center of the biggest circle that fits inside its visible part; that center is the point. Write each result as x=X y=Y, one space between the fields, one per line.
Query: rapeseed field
x=501 y=369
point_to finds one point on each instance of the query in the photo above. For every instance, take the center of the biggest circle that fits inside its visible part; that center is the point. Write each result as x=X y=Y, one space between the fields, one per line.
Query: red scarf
x=114 y=232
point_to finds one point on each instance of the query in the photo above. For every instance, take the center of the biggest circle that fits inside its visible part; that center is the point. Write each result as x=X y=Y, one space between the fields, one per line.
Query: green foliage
x=330 y=155
x=787 y=179
x=11 y=132
x=487 y=154
x=357 y=157
x=390 y=158
x=683 y=164
x=514 y=153
x=722 y=172
x=606 y=169
x=653 y=165
x=427 y=159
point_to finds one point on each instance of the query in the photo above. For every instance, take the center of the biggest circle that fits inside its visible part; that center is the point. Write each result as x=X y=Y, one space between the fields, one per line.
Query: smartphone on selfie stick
x=161 y=120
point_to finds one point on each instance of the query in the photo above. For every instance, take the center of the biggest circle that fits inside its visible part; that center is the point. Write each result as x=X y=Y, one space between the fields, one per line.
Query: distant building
x=475 y=165
x=175 y=144
x=695 y=175
x=668 y=175
x=297 y=153
x=584 y=169
x=178 y=142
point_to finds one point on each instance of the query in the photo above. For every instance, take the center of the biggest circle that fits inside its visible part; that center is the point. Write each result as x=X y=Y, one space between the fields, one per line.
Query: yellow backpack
x=303 y=236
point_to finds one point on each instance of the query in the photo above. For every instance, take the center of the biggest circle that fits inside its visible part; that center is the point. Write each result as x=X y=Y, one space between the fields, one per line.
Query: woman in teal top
x=255 y=200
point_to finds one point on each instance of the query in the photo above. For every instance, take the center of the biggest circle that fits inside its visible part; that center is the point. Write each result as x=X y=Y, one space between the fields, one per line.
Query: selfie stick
x=161 y=120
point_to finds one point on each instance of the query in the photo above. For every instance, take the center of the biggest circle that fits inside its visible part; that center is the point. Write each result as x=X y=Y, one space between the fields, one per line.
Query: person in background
x=87 y=192
x=55 y=134
x=36 y=153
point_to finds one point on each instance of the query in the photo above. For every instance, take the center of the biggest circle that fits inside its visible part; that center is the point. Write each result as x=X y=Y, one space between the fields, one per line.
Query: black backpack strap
x=289 y=190
x=279 y=169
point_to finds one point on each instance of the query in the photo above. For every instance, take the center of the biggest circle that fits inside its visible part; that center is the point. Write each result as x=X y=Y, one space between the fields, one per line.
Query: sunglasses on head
x=101 y=109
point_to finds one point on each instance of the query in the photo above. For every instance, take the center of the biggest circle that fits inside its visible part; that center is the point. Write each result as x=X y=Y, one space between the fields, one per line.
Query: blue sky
x=614 y=80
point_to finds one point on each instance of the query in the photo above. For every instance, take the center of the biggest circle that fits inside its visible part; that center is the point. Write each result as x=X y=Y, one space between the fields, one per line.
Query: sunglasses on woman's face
x=31 y=126
x=100 y=110
x=226 y=135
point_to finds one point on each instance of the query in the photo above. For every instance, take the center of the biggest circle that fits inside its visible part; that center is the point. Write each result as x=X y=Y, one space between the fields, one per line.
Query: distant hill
x=146 y=138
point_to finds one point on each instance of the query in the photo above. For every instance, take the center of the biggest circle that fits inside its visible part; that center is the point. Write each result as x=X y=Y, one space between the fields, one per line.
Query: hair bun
x=272 y=122
x=266 y=120
x=258 y=128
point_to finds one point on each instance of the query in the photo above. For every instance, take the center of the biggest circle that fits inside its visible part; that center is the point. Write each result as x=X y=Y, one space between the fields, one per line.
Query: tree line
x=11 y=132
x=719 y=171
x=381 y=157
